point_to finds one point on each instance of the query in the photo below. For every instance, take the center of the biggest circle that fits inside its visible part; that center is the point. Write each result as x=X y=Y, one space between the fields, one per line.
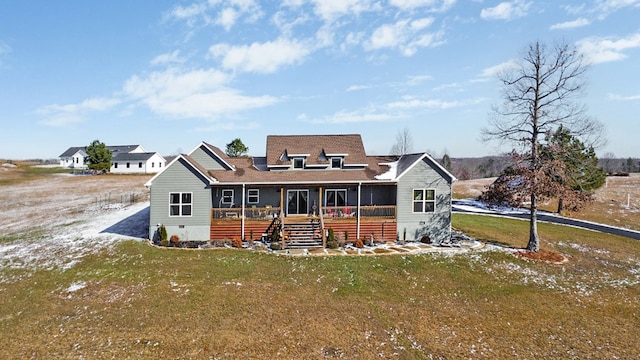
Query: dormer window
x=336 y=163
x=298 y=163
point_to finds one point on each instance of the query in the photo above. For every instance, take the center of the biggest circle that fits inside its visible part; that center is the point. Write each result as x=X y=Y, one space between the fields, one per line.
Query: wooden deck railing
x=375 y=211
x=330 y=212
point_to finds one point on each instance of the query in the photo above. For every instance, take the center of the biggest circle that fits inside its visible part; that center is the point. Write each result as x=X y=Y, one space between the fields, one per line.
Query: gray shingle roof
x=133 y=156
x=71 y=151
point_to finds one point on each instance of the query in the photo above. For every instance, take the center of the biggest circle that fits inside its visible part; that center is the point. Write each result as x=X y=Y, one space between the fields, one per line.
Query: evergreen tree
x=98 y=156
x=236 y=148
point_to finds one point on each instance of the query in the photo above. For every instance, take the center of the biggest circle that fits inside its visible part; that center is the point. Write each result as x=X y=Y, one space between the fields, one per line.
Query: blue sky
x=169 y=74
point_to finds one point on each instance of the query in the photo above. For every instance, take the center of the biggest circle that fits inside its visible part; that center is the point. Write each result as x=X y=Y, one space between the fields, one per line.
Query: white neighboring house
x=73 y=158
x=137 y=163
x=126 y=159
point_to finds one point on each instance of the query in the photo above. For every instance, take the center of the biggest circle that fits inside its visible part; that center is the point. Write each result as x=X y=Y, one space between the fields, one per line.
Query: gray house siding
x=436 y=225
x=207 y=159
x=181 y=178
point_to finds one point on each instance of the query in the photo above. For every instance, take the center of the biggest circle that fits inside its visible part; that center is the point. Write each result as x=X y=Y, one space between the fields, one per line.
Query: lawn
x=126 y=299
x=137 y=301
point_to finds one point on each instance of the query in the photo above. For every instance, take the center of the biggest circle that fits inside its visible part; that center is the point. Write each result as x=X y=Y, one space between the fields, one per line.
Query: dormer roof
x=316 y=149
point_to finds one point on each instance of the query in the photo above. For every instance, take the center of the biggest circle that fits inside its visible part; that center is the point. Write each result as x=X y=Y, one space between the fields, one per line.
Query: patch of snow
x=76 y=286
x=391 y=173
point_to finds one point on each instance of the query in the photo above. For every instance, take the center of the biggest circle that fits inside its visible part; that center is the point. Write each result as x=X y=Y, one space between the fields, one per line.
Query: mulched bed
x=543 y=255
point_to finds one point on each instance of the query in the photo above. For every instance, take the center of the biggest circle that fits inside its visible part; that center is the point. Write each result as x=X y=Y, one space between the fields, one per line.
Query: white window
x=424 y=200
x=128 y=165
x=140 y=165
x=115 y=165
x=253 y=196
x=227 y=196
x=336 y=163
x=180 y=204
x=298 y=163
x=153 y=164
x=335 y=197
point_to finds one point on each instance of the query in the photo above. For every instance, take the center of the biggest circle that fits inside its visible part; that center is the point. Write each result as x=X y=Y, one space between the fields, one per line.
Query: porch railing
x=329 y=212
x=251 y=213
x=371 y=211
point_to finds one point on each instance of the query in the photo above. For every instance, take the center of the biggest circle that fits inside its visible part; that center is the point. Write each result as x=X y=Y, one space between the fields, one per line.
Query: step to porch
x=302 y=235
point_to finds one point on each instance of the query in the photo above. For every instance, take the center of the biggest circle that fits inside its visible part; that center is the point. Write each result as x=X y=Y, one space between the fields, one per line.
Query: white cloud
x=496 y=69
x=506 y=10
x=342 y=117
x=570 y=24
x=330 y=10
x=358 y=87
x=168 y=58
x=265 y=57
x=62 y=115
x=624 y=98
x=403 y=35
x=194 y=94
x=409 y=102
x=432 y=5
x=225 y=13
x=600 y=50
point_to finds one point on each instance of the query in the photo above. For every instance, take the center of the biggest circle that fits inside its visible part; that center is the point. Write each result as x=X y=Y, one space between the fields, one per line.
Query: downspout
x=242 y=216
x=358 y=211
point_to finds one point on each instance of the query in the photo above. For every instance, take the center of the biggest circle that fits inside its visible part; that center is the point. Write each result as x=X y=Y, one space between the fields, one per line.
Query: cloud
x=194 y=94
x=228 y=126
x=225 y=13
x=265 y=57
x=410 y=102
x=601 y=50
x=431 y=5
x=168 y=58
x=506 y=10
x=624 y=98
x=403 y=35
x=63 y=115
x=329 y=10
x=343 y=117
x=496 y=69
x=570 y=24
x=358 y=87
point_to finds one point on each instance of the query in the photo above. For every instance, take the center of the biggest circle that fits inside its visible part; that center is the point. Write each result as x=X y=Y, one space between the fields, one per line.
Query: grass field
x=131 y=300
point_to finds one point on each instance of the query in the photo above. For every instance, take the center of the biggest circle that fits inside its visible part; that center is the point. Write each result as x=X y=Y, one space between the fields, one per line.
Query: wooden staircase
x=303 y=235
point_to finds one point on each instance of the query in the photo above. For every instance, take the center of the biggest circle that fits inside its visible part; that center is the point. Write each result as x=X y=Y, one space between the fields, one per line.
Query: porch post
x=324 y=235
x=358 y=211
x=242 y=214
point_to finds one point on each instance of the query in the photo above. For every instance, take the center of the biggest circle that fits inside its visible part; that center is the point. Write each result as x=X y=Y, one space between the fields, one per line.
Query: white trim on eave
x=206 y=145
x=211 y=180
x=426 y=155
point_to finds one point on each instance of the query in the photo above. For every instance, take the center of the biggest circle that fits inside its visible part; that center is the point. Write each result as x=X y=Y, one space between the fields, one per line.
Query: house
x=126 y=159
x=304 y=185
x=73 y=158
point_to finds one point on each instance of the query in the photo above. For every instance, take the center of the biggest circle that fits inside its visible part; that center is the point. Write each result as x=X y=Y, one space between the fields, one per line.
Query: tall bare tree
x=403 y=144
x=540 y=94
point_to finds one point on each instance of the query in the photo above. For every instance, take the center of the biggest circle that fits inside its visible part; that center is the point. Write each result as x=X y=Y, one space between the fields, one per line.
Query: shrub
x=237 y=243
x=174 y=239
x=276 y=245
x=251 y=234
x=346 y=236
x=331 y=236
x=359 y=243
x=425 y=239
x=162 y=234
x=332 y=244
x=164 y=242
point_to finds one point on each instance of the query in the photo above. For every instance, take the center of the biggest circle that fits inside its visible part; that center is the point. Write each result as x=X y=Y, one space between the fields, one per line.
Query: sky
x=169 y=74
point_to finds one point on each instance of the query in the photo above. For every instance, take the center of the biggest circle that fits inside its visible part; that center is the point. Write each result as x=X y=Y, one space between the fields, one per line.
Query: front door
x=297 y=202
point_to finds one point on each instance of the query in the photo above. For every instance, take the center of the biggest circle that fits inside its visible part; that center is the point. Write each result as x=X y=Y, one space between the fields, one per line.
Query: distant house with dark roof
x=304 y=185
x=125 y=159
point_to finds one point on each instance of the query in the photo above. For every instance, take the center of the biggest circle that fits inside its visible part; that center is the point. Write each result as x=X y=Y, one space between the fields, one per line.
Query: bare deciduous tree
x=540 y=94
x=404 y=143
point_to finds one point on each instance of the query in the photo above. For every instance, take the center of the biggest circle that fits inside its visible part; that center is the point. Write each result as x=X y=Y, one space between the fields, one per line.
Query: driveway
x=471 y=206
